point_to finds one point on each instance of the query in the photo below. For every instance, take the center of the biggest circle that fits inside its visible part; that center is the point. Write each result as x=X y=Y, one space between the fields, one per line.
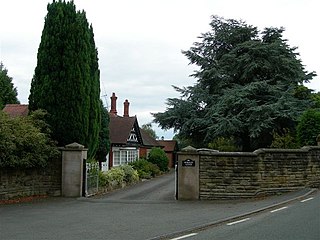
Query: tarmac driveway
x=144 y=211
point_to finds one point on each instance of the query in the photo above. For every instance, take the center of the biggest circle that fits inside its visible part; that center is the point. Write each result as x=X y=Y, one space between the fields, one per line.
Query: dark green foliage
x=104 y=141
x=148 y=128
x=224 y=144
x=66 y=79
x=23 y=145
x=309 y=128
x=145 y=169
x=315 y=97
x=8 y=93
x=247 y=86
x=158 y=156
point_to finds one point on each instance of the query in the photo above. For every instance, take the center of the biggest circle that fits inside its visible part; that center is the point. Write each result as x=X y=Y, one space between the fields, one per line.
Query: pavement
x=144 y=211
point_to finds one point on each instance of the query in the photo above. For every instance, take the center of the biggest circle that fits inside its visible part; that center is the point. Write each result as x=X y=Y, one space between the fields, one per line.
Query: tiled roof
x=120 y=128
x=16 y=110
x=169 y=145
x=148 y=140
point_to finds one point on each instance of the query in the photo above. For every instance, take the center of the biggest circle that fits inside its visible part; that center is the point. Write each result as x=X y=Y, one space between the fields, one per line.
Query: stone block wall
x=16 y=183
x=263 y=172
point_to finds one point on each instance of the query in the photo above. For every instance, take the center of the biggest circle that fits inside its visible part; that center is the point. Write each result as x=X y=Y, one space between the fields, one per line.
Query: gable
x=124 y=130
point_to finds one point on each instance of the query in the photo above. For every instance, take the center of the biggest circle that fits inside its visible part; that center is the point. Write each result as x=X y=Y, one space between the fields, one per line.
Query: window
x=116 y=158
x=124 y=156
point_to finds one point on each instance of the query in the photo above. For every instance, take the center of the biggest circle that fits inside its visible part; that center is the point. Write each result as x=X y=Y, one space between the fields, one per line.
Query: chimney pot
x=113 y=109
x=126 y=108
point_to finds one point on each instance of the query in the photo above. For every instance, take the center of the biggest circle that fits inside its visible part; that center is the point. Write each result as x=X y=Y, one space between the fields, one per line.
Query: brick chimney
x=113 y=109
x=126 y=108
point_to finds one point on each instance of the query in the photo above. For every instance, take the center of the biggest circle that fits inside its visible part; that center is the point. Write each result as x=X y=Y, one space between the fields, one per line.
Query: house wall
x=263 y=172
x=16 y=183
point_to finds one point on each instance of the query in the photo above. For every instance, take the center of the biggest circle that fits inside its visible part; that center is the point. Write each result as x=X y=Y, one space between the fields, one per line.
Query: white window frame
x=123 y=156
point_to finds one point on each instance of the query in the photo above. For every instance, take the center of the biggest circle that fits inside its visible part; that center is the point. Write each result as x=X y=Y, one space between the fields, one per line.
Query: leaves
x=247 y=86
x=23 y=145
x=66 y=81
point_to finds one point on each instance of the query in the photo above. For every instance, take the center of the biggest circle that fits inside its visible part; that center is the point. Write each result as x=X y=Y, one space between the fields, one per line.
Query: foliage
x=23 y=145
x=158 y=156
x=246 y=86
x=224 y=144
x=104 y=141
x=285 y=139
x=66 y=81
x=8 y=93
x=309 y=128
x=130 y=174
x=117 y=176
x=145 y=169
x=148 y=128
x=315 y=97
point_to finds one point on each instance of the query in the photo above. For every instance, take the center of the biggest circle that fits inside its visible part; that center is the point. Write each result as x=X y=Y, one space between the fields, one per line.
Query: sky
x=140 y=42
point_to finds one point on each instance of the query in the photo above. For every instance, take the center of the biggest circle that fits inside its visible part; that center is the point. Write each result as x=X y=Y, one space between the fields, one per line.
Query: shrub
x=309 y=128
x=145 y=169
x=23 y=144
x=284 y=140
x=158 y=156
x=115 y=177
x=130 y=174
x=224 y=144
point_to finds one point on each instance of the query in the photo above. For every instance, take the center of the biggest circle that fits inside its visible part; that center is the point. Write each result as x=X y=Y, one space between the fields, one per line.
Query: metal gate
x=90 y=179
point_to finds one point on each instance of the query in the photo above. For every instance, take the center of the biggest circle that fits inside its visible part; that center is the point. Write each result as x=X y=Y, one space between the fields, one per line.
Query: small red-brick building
x=128 y=141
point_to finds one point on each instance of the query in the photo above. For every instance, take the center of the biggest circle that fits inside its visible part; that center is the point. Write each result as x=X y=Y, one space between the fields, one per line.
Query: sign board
x=188 y=163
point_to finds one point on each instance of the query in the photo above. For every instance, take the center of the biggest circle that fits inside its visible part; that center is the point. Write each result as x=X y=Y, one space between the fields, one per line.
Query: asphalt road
x=145 y=211
x=296 y=221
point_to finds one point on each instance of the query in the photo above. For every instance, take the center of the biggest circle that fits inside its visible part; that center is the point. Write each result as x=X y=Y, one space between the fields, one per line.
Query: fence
x=91 y=179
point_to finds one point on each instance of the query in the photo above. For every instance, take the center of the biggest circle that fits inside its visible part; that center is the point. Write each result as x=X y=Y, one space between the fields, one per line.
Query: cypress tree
x=8 y=93
x=66 y=79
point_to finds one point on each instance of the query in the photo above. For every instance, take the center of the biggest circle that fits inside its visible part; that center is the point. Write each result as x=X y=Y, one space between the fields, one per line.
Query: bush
x=309 y=128
x=284 y=140
x=117 y=176
x=23 y=143
x=145 y=169
x=158 y=156
x=130 y=174
x=224 y=144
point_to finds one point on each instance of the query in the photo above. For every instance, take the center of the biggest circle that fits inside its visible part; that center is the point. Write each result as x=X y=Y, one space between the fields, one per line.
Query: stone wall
x=16 y=183
x=263 y=172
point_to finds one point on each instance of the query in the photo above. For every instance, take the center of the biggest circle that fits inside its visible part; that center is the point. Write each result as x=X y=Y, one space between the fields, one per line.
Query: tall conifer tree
x=66 y=82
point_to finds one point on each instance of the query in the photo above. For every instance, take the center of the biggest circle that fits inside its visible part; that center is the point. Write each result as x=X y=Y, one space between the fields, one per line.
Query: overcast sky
x=140 y=41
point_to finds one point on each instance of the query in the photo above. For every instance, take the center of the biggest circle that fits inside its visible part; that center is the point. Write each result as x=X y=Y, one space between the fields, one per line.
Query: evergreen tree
x=246 y=86
x=66 y=79
x=104 y=142
x=8 y=93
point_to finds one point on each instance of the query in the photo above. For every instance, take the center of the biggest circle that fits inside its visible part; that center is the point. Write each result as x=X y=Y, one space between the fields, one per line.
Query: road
x=144 y=211
x=300 y=220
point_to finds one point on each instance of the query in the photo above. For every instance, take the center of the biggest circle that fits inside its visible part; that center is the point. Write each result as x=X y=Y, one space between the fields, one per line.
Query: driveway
x=144 y=211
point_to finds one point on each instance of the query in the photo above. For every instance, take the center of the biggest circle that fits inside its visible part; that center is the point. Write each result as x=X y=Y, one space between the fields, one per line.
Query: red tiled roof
x=169 y=145
x=16 y=110
x=120 y=128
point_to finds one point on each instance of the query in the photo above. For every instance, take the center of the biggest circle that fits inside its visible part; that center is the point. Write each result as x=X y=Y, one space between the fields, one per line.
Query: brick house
x=128 y=141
